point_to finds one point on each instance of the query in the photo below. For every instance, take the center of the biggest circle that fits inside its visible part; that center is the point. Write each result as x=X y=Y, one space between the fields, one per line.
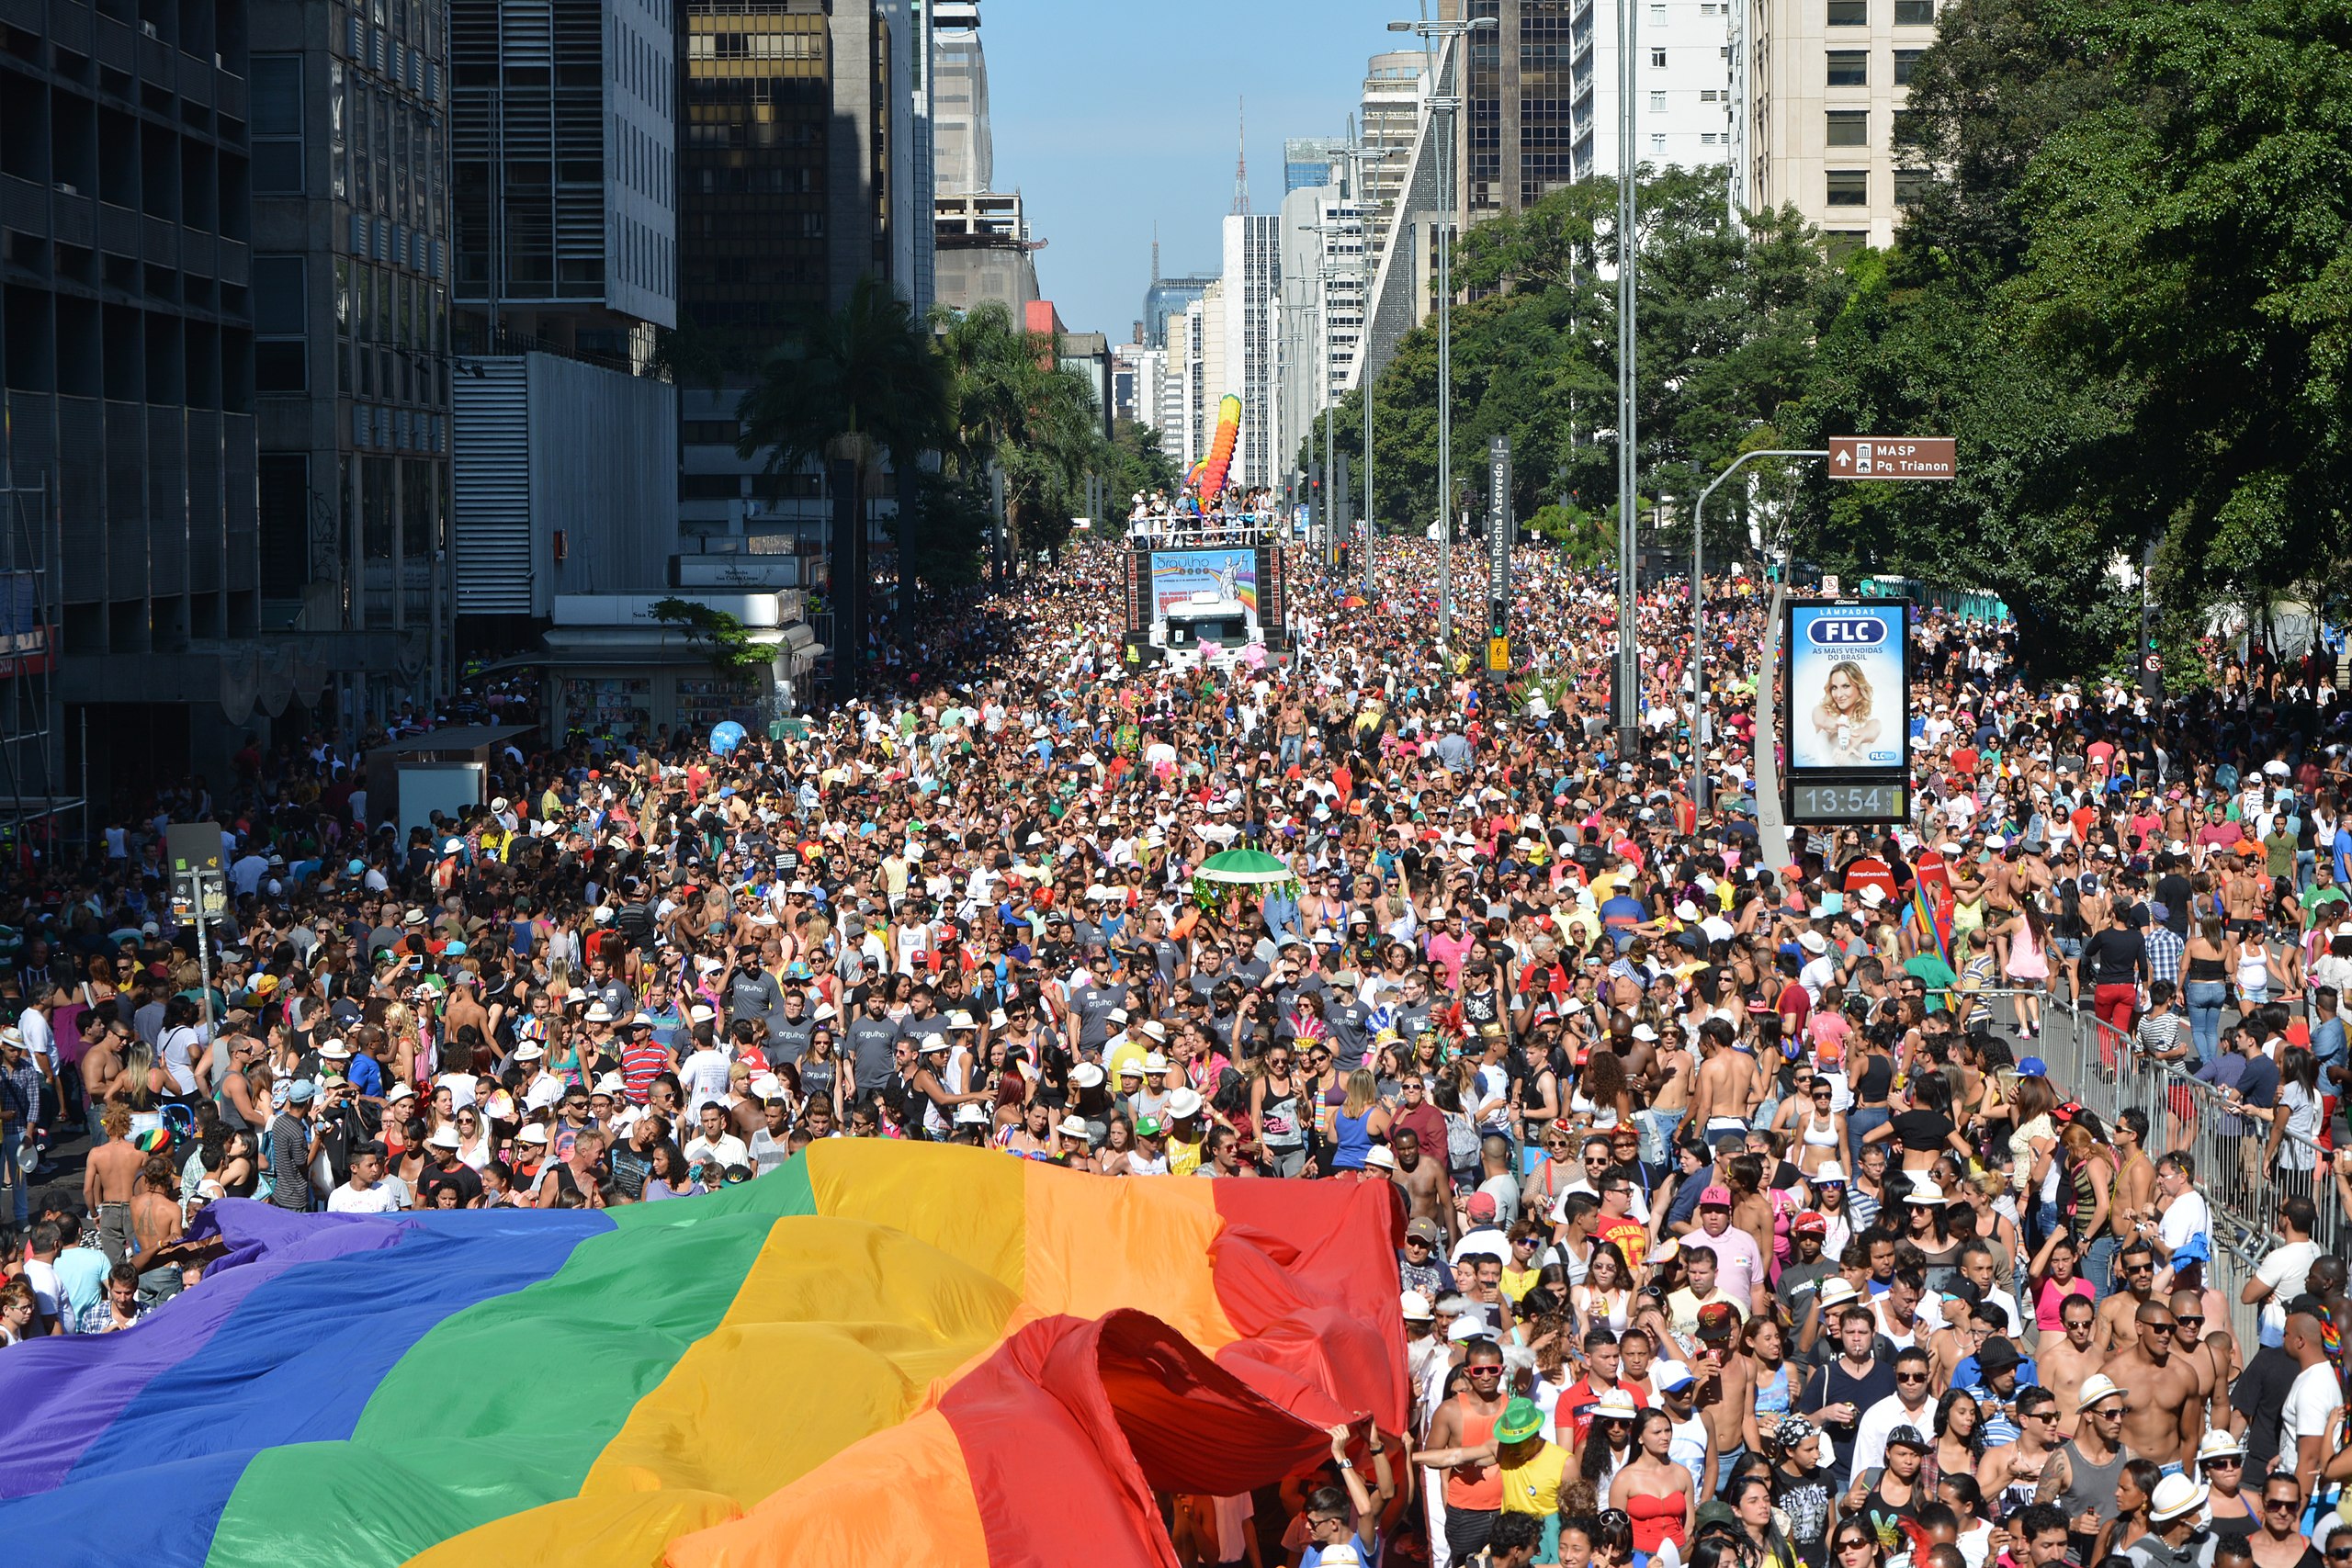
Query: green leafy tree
x=1011 y=405
x=721 y=636
x=853 y=386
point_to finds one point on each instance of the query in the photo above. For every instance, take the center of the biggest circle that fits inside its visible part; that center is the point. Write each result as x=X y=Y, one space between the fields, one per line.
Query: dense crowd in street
x=1744 y=1221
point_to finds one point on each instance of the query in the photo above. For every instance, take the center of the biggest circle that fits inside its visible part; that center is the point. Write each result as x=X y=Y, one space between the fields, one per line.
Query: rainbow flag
x=881 y=1354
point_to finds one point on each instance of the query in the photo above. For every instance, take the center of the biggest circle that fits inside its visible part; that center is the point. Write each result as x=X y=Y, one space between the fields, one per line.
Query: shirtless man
x=1725 y=1100
x=2163 y=1417
x=2016 y=1468
x=2135 y=1273
x=2189 y=1346
x=101 y=1066
x=2135 y=1196
x=2065 y=1360
x=154 y=1210
x=109 y=1180
x=1423 y=1183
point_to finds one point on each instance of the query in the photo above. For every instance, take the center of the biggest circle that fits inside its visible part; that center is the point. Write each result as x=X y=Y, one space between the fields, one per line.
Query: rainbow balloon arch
x=1207 y=477
x=880 y=1353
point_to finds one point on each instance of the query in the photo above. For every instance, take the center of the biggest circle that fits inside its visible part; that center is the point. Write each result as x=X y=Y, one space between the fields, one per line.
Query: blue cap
x=2034 y=1067
x=303 y=1093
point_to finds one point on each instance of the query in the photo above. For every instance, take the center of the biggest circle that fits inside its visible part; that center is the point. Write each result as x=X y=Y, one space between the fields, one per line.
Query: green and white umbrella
x=1244 y=868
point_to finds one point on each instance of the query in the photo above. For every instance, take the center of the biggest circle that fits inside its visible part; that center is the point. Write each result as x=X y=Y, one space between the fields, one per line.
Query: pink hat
x=1481 y=1205
x=1715 y=1198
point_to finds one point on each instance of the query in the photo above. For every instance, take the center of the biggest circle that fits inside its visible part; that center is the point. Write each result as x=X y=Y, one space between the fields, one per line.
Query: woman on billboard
x=1843 y=727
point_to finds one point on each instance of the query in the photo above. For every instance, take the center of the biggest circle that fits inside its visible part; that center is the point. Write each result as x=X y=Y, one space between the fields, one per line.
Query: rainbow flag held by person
x=882 y=1353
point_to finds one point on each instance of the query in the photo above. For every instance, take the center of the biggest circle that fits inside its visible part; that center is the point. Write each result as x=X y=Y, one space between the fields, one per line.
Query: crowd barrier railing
x=2101 y=1068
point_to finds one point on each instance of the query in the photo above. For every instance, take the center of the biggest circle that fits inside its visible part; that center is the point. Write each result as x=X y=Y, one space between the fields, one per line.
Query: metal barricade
x=2099 y=1068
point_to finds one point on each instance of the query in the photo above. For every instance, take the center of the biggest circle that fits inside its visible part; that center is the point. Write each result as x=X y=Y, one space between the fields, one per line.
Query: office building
x=1312 y=160
x=1390 y=116
x=798 y=178
x=1324 y=282
x=1251 y=279
x=983 y=251
x=1137 y=371
x=352 y=255
x=128 y=353
x=1827 y=81
x=963 y=154
x=1165 y=299
x=563 y=164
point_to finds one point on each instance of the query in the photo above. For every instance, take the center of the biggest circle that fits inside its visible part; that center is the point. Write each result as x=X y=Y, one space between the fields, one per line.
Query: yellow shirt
x=1534 y=1487
x=1183 y=1158
x=1517 y=1282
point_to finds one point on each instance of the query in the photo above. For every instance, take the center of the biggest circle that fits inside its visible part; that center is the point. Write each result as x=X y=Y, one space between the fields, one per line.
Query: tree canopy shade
x=1014 y=406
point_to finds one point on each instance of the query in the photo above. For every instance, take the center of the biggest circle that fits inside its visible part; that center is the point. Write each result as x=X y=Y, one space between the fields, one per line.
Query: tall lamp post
x=1628 y=716
x=1442 y=106
x=1698 y=624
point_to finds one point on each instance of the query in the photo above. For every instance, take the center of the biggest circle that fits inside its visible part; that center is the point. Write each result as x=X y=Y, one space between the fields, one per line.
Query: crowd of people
x=1741 y=1225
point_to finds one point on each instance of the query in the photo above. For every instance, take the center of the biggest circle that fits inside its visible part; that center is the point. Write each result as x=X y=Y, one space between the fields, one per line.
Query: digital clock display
x=1812 y=804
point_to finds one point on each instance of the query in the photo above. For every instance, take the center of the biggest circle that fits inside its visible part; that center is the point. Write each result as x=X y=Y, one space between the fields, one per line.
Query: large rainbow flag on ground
x=881 y=1354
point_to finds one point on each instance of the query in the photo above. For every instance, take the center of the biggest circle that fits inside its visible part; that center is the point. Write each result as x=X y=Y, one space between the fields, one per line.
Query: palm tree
x=1010 y=405
x=853 y=386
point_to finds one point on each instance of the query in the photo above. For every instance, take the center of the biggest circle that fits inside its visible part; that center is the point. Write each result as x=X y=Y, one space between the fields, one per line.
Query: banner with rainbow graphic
x=879 y=1354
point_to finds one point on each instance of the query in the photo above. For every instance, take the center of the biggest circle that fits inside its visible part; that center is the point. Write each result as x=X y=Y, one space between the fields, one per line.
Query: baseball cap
x=1671 y=1377
x=1422 y=1230
x=1715 y=1198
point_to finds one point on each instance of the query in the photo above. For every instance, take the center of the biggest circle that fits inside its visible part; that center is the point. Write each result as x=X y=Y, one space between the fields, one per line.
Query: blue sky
x=1111 y=114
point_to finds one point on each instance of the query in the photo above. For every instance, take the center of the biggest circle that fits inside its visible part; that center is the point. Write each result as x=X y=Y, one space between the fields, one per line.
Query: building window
x=281 y=360
x=1657 y=103
x=1849 y=127
x=1850 y=13
x=1909 y=185
x=1657 y=141
x=1657 y=15
x=1849 y=187
x=1915 y=13
x=1905 y=59
x=1657 y=60
x=1849 y=68
x=285 y=520
x=276 y=124
x=1843 y=243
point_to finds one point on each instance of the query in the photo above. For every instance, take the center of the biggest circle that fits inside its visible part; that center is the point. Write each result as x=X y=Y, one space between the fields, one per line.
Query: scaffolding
x=33 y=807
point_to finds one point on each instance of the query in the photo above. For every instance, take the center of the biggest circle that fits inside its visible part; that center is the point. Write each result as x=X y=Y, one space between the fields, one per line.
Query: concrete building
x=352 y=238
x=1250 y=361
x=128 y=356
x=963 y=152
x=1390 y=116
x=1324 y=283
x=557 y=466
x=563 y=169
x=1137 y=373
x=798 y=178
x=1827 y=82
x=1312 y=160
x=983 y=252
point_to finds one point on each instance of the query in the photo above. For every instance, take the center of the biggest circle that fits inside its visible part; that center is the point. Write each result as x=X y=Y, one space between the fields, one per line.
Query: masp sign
x=1891 y=457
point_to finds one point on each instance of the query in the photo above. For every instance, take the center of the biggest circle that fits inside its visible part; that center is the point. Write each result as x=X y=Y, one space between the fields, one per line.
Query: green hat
x=1521 y=1420
x=1147 y=1127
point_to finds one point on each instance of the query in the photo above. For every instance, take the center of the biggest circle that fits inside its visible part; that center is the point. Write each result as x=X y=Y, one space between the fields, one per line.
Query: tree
x=721 y=636
x=1010 y=405
x=853 y=386
x=1133 y=465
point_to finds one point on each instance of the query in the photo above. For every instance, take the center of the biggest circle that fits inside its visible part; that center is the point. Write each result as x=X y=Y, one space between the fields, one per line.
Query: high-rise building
x=563 y=164
x=1827 y=82
x=1137 y=371
x=962 y=150
x=1252 y=279
x=1164 y=303
x=1324 y=282
x=128 y=308
x=1312 y=160
x=984 y=251
x=1685 y=117
x=798 y=178
x=352 y=254
x=1390 y=116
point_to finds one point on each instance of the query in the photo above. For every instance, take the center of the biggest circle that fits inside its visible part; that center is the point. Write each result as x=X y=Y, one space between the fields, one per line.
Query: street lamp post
x=1629 y=700
x=1444 y=104
x=1698 y=624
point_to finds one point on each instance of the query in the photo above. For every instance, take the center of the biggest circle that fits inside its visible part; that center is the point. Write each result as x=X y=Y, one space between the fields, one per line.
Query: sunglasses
x=1910 y=1377
x=1524 y=1241
x=2225 y=1461
x=2189 y=1322
x=1486 y=1371
x=2283 y=1503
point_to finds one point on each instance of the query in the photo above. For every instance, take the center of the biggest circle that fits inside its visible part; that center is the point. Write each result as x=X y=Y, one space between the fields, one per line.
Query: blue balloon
x=726 y=737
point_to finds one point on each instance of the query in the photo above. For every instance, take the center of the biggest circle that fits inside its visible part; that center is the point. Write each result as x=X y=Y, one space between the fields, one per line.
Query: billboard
x=1846 y=689
x=1177 y=575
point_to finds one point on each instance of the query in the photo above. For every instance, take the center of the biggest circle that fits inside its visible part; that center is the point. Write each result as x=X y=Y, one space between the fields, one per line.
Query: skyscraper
x=1827 y=84
x=963 y=151
x=562 y=126
x=1312 y=160
x=1390 y=118
x=351 y=235
x=128 y=343
x=1249 y=362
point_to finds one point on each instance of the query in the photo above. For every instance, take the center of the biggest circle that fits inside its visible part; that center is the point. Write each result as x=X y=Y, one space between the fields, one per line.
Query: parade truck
x=1206 y=590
